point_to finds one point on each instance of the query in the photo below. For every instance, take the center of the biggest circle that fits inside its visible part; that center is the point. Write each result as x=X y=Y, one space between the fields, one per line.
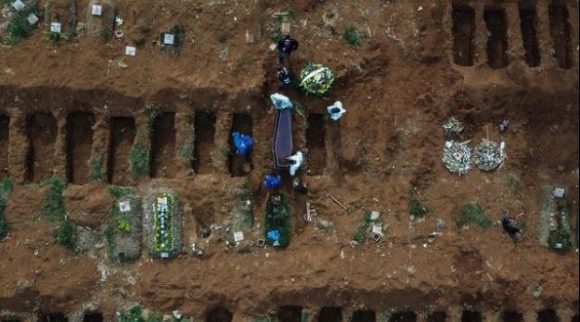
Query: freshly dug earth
x=398 y=87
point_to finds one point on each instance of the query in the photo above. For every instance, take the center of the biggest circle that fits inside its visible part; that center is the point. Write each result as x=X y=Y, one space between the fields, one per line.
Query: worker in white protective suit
x=296 y=162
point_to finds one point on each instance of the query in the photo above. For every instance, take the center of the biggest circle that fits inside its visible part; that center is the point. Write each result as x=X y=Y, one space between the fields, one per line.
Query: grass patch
x=560 y=238
x=153 y=113
x=135 y=314
x=362 y=231
x=58 y=36
x=473 y=214
x=186 y=151
x=19 y=28
x=139 y=159
x=352 y=36
x=417 y=208
x=96 y=172
x=5 y=190
x=55 y=210
x=513 y=182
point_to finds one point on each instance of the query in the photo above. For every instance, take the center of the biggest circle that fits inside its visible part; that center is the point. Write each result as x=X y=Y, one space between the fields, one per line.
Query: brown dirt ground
x=398 y=88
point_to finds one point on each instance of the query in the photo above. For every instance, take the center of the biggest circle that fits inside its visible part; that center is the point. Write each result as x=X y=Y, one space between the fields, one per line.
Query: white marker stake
x=130 y=51
x=56 y=27
x=18 y=5
x=169 y=39
x=97 y=10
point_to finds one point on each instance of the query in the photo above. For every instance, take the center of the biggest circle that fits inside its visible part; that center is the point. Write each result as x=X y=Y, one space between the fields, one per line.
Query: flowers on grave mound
x=489 y=155
x=457 y=157
x=162 y=216
x=277 y=223
x=316 y=79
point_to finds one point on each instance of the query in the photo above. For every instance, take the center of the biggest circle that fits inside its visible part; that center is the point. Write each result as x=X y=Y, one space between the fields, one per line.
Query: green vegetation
x=352 y=36
x=472 y=213
x=362 y=231
x=560 y=237
x=162 y=219
x=186 y=152
x=96 y=172
x=116 y=220
x=242 y=218
x=278 y=221
x=58 y=36
x=19 y=28
x=135 y=314
x=5 y=190
x=417 y=208
x=66 y=235
x=513 y=183
x=55 y=210
x=139 y=159
x=153 y=113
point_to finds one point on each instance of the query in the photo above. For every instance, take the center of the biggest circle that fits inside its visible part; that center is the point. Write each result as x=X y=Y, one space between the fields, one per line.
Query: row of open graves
x=299 y=314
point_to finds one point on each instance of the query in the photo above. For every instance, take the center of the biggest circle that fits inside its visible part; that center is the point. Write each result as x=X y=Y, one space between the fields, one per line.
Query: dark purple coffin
x=282 y=145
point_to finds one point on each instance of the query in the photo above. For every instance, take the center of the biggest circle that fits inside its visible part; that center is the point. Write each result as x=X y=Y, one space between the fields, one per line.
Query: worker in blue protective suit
x=243 y=144
x=272 y=182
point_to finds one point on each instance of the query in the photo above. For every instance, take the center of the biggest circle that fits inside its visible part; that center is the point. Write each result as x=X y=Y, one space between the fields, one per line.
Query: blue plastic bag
x=274 y=235
x=243 y=144
x=272 y=182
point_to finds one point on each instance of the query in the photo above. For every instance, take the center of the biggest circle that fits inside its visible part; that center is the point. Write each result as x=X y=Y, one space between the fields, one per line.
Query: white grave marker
x=97 y=10
x=56 y=27
x=238 y=236
x=130 y=51
x=378 y=229
x=559 y=192
x=18 y=5
x=32 y=19
x=125 y=206
x=169 y=39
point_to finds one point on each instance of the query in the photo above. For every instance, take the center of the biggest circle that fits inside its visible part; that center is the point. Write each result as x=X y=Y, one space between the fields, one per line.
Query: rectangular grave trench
x=548 y=315
x=471 y=316
x=10 y=318
x=560 y=31
x=42 y=130
x=463 y=35
x=290 y=314
x=315 y=142
x=204 y=144
x=122 y=136
x=529 y=26
x=512 y=316
x=407 y=316
x=4 y=144
x=163 y=163
x=93 y=317
x=329 y=314
x=80 y=131
x=241 y=123
x=53 y=317
x=439 y=316
x=497 y=42
x=363 y=316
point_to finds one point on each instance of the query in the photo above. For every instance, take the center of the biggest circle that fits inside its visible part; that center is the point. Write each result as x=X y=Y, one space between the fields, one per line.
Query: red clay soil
x=398 y=87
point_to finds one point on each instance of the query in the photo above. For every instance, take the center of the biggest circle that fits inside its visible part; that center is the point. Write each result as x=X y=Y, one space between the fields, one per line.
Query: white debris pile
x=457 y=157
x=489 y=155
